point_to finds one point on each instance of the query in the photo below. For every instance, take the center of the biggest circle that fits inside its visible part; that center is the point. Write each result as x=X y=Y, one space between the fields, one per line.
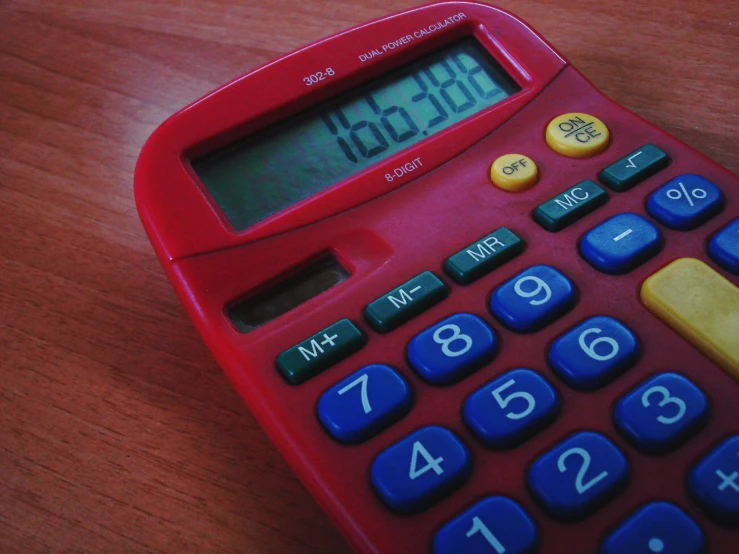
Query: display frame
x=326 y=133
x=171 y=198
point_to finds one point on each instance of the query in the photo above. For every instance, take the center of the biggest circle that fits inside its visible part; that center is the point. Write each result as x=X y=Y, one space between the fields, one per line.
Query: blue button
x=364 y=403
x=511 y=409
x=495 y=524
x=685 y=202
x=662 y=413
x=621 y=243
x=714 y=483
x=594 y=353
x=533 y=299
x=657 y=528
x=724 y=247
x=578 y=476
x=452 y=349
x=421 y=469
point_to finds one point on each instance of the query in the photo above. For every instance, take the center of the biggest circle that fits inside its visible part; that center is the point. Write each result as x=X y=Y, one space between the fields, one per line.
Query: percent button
x=685 y=202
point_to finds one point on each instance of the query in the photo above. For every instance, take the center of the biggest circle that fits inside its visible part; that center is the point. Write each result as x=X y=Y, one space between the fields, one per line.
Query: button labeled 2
x=578 y=476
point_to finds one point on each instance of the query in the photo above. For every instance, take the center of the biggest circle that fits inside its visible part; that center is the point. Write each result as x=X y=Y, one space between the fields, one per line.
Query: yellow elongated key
x=699 y=304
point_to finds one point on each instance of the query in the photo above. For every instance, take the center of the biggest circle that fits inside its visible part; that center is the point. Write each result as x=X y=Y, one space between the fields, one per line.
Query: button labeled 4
x=419 y=470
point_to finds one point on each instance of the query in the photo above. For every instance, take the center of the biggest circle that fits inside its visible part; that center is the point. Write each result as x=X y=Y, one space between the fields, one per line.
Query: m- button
x=405 y=302
x=577 y=135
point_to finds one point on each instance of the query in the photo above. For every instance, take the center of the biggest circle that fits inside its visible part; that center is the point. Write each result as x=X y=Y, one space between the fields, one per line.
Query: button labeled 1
x=578 y=476
x=495 y=525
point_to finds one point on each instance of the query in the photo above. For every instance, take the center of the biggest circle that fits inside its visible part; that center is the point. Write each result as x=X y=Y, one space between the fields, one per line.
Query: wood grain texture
x=117 y=429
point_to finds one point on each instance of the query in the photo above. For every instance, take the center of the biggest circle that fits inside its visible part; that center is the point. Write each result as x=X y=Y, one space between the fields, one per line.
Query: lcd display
x=273 y=169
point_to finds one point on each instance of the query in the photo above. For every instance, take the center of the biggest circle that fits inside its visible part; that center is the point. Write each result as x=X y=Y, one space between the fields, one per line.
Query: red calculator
x=478 y=306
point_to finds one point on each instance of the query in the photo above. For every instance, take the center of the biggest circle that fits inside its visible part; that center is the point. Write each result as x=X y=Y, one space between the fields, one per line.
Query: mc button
x=577 y=135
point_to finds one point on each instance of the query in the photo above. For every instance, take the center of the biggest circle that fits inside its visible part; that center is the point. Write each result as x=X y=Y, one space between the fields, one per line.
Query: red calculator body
x=477 y=305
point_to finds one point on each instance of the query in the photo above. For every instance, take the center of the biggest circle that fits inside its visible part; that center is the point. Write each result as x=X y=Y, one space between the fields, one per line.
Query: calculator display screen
x=276 y=167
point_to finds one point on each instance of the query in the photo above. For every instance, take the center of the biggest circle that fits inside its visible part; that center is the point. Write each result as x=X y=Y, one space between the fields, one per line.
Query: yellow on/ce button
x=514 y=172
x=577 y=135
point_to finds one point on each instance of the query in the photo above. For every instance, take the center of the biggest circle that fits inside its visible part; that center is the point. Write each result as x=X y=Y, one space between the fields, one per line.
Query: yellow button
x=577 y=135
x=699 y=304
x=514 y=172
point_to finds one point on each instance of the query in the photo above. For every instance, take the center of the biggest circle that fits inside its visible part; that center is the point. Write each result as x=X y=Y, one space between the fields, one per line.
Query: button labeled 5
x=512 y=408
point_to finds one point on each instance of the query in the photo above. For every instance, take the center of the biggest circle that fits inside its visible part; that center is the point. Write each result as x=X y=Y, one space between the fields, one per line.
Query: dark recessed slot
x=289 y=292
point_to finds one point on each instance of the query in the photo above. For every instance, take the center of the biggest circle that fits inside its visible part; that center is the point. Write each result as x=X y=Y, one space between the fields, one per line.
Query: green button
x=483 y=256
x=566 y=208
x=634 y=168
x=322 y=350
x=405 y=302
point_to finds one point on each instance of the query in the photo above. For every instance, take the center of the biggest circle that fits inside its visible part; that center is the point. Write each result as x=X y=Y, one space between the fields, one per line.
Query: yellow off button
x=514 y=172
x=577 y=135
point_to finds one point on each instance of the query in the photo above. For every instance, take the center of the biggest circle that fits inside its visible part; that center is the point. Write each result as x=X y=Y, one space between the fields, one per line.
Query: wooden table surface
x=117 y=429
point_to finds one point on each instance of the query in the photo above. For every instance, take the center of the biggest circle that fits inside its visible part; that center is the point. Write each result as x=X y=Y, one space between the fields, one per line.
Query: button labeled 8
x=452 y=349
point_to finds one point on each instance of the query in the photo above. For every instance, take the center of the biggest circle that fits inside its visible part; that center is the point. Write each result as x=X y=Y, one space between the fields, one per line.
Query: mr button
x=577 y=135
